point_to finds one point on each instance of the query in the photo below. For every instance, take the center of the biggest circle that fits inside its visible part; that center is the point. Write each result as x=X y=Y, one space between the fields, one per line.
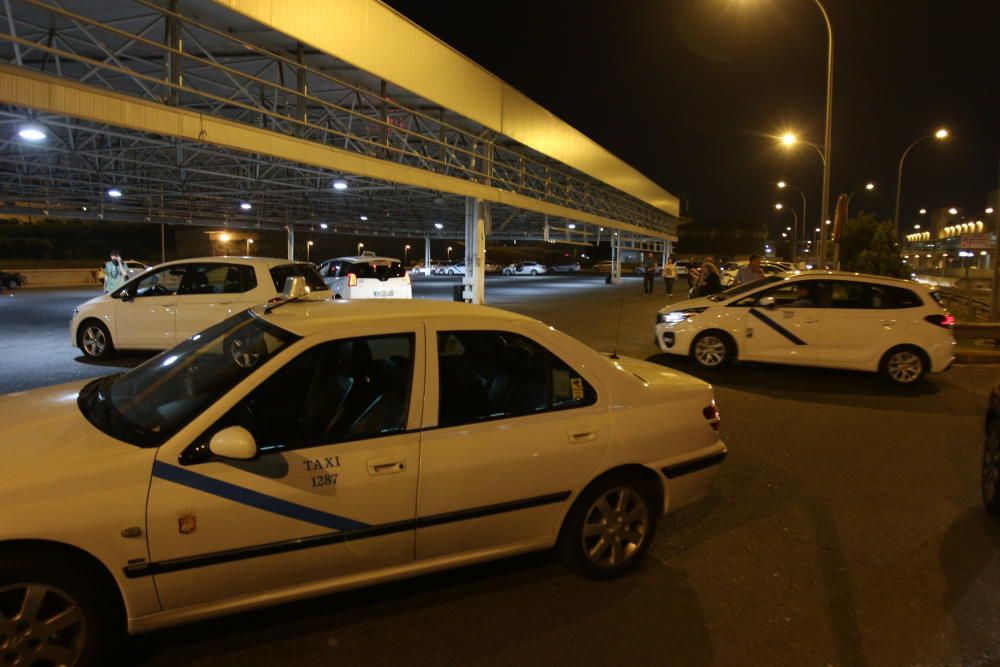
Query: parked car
x=991 y=454
x=133 y=268
x=816 y=318
x=566 y=267
x=524 y=269
x=323 y=446
x=454 y=269
x=769 y=269
x=172 y=301
x=366 y=277
x=604 y=266
x=11 y=279
x=492 y=267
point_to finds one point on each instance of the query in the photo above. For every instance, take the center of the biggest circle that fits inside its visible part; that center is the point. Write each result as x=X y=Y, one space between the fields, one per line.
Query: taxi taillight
x=711 y=413
x=947 y=320
x=352 y=280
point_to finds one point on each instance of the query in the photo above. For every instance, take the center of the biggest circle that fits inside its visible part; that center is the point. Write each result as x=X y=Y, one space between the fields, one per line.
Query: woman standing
x=114 y=272
x=670 y=275
x=710 y=280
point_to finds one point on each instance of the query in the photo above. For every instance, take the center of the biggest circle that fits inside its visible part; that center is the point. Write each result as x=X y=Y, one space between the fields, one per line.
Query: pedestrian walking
x=648 y=277
x=750 y=272
x=114 y=272
x=670 y=275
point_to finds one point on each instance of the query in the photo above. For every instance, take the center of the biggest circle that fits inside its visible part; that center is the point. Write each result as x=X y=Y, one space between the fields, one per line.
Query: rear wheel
x=12 y=283
x=713 y=349
x=94 y=340
x=55 y=613
x=610 y=527
x=991 y=467
x=534 y=273
x=903 y=365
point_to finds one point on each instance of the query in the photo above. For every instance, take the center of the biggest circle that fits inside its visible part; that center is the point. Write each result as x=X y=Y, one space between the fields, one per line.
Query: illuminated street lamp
x=449 y=253
x=783 y=185
x=869 y=187
x=922 y=211
x=940 y=135
x=989 y=210
x=406 y=251
x=795 y=225
x=309 y=246
x=953 y=210
x=249 y=243
x=360 y=246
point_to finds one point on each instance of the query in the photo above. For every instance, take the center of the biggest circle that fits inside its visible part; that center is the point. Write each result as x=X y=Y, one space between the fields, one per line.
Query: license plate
x=383 y=293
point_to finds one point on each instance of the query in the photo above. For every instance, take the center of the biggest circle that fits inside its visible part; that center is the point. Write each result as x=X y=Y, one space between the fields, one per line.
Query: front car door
x=333 y=491
x=790 y=331
x=512 y=430
x=211 y=292
x=146 y=318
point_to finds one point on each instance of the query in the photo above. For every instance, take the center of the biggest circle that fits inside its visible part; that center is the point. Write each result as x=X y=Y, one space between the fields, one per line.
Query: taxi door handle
x=386 y=466
x=888 y=323
x=577 y=437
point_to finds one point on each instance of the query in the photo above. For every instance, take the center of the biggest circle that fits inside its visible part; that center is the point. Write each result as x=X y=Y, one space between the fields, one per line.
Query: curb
x=984 y=357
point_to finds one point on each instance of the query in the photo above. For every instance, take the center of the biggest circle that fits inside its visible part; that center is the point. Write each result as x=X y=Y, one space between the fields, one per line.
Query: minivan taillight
x=352 y=280
x=947 y=320
x=711 y=413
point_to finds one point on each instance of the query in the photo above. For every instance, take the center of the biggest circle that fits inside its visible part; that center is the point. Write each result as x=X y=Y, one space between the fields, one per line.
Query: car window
x=164 y=282
x=313 y=280
x=743 y=289
x=797 y=294
x=496 y=374
x=333 y=392
x=212 y=278
x=886 y=296
x=381 y=269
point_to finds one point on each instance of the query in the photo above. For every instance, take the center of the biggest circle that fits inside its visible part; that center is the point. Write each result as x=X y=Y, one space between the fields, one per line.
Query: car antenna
x=621 y=307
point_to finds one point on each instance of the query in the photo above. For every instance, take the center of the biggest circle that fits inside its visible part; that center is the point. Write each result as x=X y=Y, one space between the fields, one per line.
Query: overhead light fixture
x=869 y=186
x=438 y=225
x=923 y=211
x=245 y=205
x=84 y=208
x=340 y=184
x=571 y=226
x=989 y=210
x=364 y=218
x=31 y=133
x=114 y=193
x=953 y=210
x=323 y=225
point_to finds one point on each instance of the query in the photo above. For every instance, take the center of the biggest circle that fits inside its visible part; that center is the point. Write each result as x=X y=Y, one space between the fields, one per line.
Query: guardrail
x=977 y=330
x=981 y=310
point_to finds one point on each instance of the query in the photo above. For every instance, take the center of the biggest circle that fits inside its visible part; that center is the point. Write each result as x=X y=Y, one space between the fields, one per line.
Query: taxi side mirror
x=234 y=442
x=766 y=302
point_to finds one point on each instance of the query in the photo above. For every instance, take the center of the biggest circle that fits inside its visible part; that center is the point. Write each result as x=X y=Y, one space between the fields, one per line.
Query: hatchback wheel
x=991 y=467
x=534 y=273
x=95 y=340
x=609 y=528
x=712 y=350
x=903 y=365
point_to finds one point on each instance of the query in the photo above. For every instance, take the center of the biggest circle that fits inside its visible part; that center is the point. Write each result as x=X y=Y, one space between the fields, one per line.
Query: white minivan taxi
x=307 y=447
x=366 y=277
x=832 y=319
x=167 y=303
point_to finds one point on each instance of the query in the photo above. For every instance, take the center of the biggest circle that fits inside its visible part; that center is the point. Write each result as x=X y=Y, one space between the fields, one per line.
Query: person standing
x=670 y=275
x=710 y=280
x=648 y=276
x=114 y=272
x=750 y=272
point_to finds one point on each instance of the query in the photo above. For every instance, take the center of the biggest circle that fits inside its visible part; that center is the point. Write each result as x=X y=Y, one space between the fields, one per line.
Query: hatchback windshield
x=152 y=402
x=743 y=289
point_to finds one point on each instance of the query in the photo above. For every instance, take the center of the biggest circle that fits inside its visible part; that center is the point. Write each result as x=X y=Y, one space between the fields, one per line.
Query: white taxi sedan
x=327 y=445
x=816 y=318
x=171 y=301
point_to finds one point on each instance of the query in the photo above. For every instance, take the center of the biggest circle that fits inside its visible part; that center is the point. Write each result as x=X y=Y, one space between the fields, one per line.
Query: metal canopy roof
x=192 y=109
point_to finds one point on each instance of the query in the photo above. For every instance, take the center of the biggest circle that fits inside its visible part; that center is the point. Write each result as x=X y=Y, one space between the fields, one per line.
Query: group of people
x=703 y=279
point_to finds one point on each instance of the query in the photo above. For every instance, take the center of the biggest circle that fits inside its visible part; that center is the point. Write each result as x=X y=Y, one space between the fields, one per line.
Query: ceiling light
x=438 y=225
x=340 y=184
x=571 y=226
x=953 y=210
x=323 y=225
x=31 y=133
x=115 y=193
x=364 y=218
x=245 y=205
x=923 y=211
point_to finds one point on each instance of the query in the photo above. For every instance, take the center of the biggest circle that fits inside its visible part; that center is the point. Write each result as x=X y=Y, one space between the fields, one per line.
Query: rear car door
x=146 y=313
x=790 y=331
x=514 y=428
x=861 y=323
x=210 y=293
x=332 y=493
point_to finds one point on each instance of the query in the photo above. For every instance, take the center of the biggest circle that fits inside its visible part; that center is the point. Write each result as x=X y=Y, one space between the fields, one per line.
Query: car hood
x=44 y=434
x=701 y=302
x=100 y=298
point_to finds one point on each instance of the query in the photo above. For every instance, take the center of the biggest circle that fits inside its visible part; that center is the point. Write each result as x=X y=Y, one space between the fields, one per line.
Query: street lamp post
x=406 y=251
x=449 y=253
x=249 y=243
x=868 y=186
x=940 y=134
x=309 y=245
x=360 y=246
x=781 y=186
x=795 y=227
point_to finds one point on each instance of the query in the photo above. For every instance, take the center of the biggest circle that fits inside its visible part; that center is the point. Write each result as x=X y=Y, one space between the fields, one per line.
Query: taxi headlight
x=678 y=316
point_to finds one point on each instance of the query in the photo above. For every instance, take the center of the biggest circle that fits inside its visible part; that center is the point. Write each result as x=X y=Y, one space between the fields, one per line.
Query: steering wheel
x=246 y=352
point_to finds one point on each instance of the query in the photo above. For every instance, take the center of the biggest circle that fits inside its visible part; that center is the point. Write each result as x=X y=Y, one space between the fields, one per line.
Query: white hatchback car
x=366 y=277
x=816 y=318
x=525 y=269
x=328 y=445
x=172 y=301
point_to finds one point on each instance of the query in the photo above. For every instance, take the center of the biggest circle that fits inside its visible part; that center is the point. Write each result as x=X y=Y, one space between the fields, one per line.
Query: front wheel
x=94 y=340
x=991 y=467
x=49 y=615
x=903 y=365
x=610 y=527
x=12 y=283
x=712 y=350
x=534 y=273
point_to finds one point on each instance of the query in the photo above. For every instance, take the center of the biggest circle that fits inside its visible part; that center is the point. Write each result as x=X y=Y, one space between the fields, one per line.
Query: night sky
x=687 y=92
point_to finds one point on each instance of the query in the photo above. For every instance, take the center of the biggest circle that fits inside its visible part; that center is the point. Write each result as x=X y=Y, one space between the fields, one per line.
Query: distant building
x=721 y=238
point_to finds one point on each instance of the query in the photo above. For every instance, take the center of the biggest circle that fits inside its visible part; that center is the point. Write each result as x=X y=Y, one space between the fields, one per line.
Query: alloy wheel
x=710 y=350
x=905 y=367
x=94 y=341
x=40 y=626
x=615 y=527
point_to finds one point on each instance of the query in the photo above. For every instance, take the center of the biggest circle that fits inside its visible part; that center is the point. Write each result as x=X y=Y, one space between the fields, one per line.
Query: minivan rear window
x=379 y=270
x=313 y=280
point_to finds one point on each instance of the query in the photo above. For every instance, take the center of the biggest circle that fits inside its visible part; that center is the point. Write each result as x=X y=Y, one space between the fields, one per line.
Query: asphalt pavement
x=845 y=528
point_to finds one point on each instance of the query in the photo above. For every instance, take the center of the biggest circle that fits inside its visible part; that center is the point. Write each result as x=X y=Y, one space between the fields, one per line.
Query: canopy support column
x=427 y=254
x=290 y=231
x=477 y=220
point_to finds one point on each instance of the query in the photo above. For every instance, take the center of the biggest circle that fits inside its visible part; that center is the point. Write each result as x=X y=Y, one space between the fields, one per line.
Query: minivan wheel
x=903 y=365
x=712 y=349
x=94 y=340
x=610 y=526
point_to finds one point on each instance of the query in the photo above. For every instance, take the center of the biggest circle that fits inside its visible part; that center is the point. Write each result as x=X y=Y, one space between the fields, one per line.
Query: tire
x=713 y=349
x=67 y=596
x=534 y=273
x=507 y=272
x=94 y=340
x=13 y=284
x=610 y=526
x=903 y=365
x=991 y=467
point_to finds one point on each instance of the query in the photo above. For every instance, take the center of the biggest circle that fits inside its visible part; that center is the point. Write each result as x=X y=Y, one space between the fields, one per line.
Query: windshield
x=744 y=288
x=149 y=404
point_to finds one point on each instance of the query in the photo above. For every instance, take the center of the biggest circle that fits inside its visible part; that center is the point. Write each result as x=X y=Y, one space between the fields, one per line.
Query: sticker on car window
x=576 y=386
